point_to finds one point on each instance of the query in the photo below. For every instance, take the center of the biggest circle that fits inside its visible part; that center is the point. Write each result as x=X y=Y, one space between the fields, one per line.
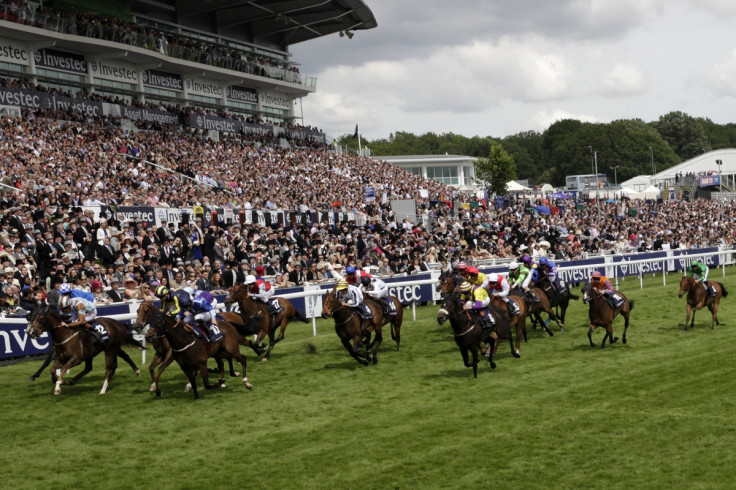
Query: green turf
x=654 y=413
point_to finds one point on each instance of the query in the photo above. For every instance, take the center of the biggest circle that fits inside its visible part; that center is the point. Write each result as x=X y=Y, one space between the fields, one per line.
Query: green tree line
x=566 y=147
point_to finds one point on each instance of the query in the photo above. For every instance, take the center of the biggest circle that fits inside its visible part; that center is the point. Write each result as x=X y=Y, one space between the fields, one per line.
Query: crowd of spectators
x=169 y=43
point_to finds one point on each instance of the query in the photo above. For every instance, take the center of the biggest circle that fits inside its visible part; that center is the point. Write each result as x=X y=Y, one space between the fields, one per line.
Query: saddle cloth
x=274 y=306
x=615 y=300
x=102 y=335
x=389 y=307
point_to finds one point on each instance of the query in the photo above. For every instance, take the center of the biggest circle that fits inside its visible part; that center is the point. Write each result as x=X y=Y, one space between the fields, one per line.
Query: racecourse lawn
x=654 y=413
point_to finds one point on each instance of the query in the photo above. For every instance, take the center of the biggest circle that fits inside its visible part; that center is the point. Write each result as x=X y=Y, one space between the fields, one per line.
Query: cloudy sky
x=499 y=67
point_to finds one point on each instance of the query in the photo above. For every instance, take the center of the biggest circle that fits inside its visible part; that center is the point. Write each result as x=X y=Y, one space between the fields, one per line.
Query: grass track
x=652 y=413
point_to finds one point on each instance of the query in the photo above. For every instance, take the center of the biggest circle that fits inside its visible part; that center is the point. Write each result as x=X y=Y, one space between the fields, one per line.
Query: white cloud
x=723 y=76
x=623 y=79
x=544 y=119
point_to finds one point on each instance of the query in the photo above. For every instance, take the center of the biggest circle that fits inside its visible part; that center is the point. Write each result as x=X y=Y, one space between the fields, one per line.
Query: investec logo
x=203 y=88
x=59 y=61
x=112 y=71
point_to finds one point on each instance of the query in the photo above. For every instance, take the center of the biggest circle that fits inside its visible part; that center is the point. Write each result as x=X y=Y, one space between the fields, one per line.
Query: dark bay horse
x=468 y=333
x=516 y=322
x=395 y=320
x=251 y=308
x=697 y=299
x=536 y=308
x=74 y=345
x=191 y=351
x=350 y=327
x=558 y=301
x=601 y=314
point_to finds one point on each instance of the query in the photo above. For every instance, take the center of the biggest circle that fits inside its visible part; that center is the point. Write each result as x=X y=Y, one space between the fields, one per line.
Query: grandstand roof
x=278 y=23
x=703 y=163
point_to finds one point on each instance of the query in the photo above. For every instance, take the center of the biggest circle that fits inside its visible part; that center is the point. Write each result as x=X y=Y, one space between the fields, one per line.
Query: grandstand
x=224 y=56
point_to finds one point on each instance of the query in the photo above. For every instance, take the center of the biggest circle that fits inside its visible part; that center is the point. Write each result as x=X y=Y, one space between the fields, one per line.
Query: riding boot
x=96 y=336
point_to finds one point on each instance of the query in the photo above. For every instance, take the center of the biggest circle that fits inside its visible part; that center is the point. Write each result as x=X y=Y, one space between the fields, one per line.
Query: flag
x=356 y=131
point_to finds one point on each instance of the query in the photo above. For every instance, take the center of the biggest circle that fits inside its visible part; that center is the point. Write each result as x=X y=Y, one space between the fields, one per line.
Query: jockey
x=351 y=296
x=260 y=272
x=353 y=276
x=82 y=313
x=548 y=268
x=519 y=276
x=462 y=269
x=527 y=262
x=172 y=301
x=66 y=288
x=499 y=286
x=200 y=311
x=699 y=271
x=601 y=284
x=476 y=277
x=259 y=288
x=375 y=288
x=476 y=299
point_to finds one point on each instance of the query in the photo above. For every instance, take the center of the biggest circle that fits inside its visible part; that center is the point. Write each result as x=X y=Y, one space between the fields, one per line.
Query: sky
x=501 y=67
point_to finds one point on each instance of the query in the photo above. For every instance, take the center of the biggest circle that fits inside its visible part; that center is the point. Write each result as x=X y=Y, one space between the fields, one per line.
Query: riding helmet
x=342 y=284
x=513 y=265
x=472 y=271
x=161 y=291
x=543 y=261
x=350 y=270
x=465 y=287
x=596 y=275
x=65 y=288
x=365 y=280
x=494 y=278
x=250 y=279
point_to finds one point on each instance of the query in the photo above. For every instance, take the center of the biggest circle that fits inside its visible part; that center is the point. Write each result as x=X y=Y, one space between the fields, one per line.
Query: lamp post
x=591 y=159
x=597 y=201
x=654 y=169
x=615 y=178
x=720 y=186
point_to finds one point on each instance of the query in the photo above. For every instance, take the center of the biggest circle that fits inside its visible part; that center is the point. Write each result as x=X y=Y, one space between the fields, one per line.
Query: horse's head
x=146 y=311
x=686 y=283
x=330 y=305
x=234 y=294
x=40 y=320
x=587 y=293
x=451 y=306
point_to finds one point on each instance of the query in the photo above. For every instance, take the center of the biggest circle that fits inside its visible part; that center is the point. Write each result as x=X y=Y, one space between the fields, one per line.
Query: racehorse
x=468 y=332
x=250 y=308
x=601 y=314
x=518 y=320
x=558 y=301
x=191 y=351
x=697 y=299
x=349 y=327
x=536 y=308
x=74 y=345
x=447 y=282
x=394 y=320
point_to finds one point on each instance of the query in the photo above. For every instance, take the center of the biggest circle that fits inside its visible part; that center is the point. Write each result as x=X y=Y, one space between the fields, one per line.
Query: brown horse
x=74 y=345
x=557 y=300
x=394 y=320
x=516 y=322
x=251 y=308
x=698 y=298
x=349 y=326
x=468 y=332
x=536 y=308
x=601 y=314
x=447 y=283
x=191 y=351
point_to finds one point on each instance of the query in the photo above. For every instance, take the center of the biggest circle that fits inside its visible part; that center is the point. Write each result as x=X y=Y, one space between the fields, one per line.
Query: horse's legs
x=475 y=361
x=687 y=319
x=124 y=355
x=609 y=334
x=191 y=374
x=396 y=331
x=206 y=376
x=464 y=353
x=514 y=351
x=46 y=362
x=376 y=344
x=625 y=314
x=87 y=368
x=714 y=315
x=591 y=329
x=353 y=351
x=111 y=364
x=492 y=343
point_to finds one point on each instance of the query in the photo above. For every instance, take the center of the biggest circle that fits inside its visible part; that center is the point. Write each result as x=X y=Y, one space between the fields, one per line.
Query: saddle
x=364 y=312
x=274 y=306
x=615 y=300
x=389 y=307
x=98 y=332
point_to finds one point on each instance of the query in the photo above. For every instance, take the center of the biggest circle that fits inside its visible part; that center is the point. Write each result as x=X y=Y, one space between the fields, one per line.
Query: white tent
x=651 y=192
x=626 y=192
x=513 y=186
x=638 y=183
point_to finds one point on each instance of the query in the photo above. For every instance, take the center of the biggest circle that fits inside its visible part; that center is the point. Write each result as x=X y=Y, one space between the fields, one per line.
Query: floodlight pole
x=720 y=187
x=615 y=178
x=597 y=201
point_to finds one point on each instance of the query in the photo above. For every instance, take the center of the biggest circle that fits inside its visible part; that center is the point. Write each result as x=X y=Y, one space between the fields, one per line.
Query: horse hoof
x=159 y=393
x=623 y=341
x=223 y=385
x=138 y=372
x=247 y=384
x=493 y=365
x=187 y=387
x=683 y=331
x=57 y=392
x=615 y=339
x=517 y=354
x=265 y=359
x=551 y=333
x=32 y=378
x=152 y=388
x=236 y=374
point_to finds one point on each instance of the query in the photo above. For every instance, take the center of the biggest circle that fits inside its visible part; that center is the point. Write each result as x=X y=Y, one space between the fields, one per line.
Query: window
x=414 y=170
x=468 y=175
x=446 y=175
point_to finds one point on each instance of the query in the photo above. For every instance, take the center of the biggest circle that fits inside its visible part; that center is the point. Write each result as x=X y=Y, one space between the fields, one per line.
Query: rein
x=68 y=338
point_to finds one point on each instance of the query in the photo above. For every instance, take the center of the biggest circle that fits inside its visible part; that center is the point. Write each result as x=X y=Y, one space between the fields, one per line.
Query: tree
x=684 y=133
x=496 y=170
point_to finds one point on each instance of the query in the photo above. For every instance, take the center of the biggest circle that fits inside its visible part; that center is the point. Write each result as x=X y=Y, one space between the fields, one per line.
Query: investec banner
x=216 y=123
x=242 y=94
x=34 y=99
x=162 y=79
x=119 y=72
x=207 y=88
x=13 y=52
x=272 y=99
x=58 y=60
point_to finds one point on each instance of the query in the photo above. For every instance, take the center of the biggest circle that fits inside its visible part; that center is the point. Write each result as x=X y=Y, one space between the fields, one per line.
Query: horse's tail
x=300 y=317
x=631 y=304
x=724 y=293
x=573 y=296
